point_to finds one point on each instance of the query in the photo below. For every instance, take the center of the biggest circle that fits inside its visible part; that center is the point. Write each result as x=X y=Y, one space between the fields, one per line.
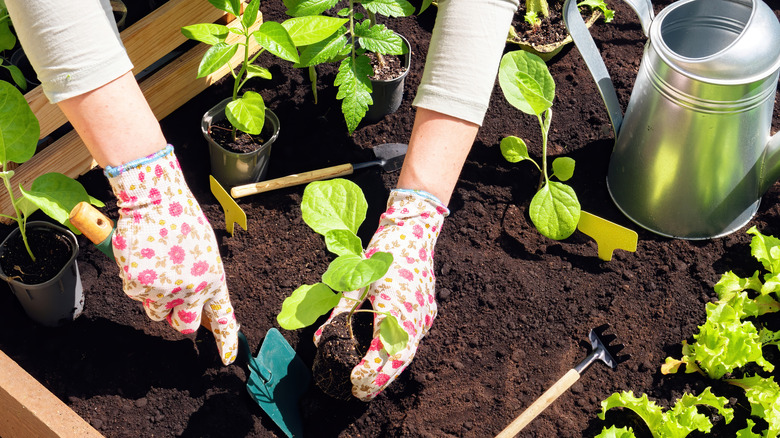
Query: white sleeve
x=73 y=45
x=465 y=51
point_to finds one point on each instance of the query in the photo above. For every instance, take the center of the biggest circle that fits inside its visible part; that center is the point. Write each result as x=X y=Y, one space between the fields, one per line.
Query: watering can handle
x=590 y=53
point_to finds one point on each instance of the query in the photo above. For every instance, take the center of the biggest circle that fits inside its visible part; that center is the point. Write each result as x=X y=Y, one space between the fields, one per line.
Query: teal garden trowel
x=277 y=376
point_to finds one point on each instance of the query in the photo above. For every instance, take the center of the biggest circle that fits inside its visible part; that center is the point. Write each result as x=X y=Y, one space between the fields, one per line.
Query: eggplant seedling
x=335 y=209
x=529 y=87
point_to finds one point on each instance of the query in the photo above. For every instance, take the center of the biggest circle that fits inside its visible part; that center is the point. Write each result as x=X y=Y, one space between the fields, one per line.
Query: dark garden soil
x=515 y=308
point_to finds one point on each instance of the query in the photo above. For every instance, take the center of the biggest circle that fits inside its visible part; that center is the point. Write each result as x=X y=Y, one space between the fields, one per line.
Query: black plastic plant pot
x=387 y=95
x=54 y=302
x=235 y=168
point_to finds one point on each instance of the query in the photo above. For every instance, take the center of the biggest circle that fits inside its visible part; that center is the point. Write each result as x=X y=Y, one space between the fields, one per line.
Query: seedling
x=535 y=10
x=335 y=209
x=529 y=87
x=8 y=42
x=245 y=113
x=348 y=46
x=53 y=193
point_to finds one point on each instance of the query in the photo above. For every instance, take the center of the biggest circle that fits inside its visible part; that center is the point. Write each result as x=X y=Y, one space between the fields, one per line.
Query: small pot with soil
x=548 y=35
x=340 y=349
x=388 y=83
x=242 y=160
x=48 y=288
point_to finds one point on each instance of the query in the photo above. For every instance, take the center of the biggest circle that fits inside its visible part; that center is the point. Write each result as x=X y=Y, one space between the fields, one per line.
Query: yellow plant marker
x=233 y=213
x=609 y=236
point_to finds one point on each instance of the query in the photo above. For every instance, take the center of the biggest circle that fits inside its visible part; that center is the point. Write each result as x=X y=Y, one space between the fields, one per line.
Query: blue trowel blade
x=277 y=380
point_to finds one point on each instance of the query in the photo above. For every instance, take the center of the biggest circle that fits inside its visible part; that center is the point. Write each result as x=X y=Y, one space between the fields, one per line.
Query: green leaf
x=747 y=432
x=379 y=39
x=766 y=249
x=7 y=37
x=389 y=8
x=343 y=242
x=526 y=82
x=514 y=149
x=298 y=8
x=764 y=398
x=336 y=204
x=352 y=272
x=425 y=5
x=306 y=305
x=208 y=33
x=17 y=76
x=217 y=56
x=305 y=31
x=19 y=128
x=355 y=89
x=56 y=195
x=616 y=432
x=250 y=13
x=609 y=14
x=229 y=6
x=274 y=37
x=247 y=113
x=730 y=284
x=394 y=338
x=325 y=50
x=563 y=168
x=648 y=410
x=555 y=210
x=255 y=71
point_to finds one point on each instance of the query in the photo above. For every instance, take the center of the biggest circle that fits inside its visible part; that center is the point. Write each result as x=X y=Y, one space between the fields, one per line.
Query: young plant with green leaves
x=535 y=10
x=677 y=422
x=53 y=193
x=246 y=113
x=349 y=45
x=528 y=86
x=335 y=209
x=8 y=42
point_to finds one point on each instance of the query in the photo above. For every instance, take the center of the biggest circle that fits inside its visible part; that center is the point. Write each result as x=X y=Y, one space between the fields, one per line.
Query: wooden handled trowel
x=277 y=376
x=389 y=156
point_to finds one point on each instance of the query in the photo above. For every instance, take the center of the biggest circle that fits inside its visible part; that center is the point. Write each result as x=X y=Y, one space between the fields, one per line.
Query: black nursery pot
x=54 y=302
x=387 y=95
x=233 y=168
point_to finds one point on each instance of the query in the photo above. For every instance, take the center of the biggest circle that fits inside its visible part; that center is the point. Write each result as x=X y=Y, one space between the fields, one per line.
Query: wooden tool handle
x=90 y=221
x=291 y=180
x=540 y=404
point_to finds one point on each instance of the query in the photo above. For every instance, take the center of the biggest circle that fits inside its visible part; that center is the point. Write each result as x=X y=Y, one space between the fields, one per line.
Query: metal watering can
x=693 y=154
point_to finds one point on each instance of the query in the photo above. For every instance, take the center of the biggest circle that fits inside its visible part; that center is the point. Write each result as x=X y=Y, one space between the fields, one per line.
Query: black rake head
x=603 y=349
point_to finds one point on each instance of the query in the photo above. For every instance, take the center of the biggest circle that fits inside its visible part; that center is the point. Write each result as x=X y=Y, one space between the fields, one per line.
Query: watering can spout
x=771 y=163
x=590 y=53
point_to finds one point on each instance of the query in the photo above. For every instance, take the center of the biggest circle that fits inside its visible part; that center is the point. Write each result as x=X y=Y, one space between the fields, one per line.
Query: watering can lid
x=754 y=54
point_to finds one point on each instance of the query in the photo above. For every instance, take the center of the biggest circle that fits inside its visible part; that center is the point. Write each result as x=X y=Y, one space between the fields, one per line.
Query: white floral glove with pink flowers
x=408 y=230
x=167 y=252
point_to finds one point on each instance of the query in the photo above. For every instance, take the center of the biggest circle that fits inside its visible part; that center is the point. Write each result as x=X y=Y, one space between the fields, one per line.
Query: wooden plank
x=146 y=41
x=31 y=410
x=166 y=90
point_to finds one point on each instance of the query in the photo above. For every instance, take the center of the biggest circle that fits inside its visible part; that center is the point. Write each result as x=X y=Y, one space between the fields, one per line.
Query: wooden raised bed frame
x=28 y=408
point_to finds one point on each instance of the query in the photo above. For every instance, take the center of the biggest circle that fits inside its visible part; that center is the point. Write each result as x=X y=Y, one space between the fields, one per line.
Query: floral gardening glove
x=167 y=252
x=408 y=230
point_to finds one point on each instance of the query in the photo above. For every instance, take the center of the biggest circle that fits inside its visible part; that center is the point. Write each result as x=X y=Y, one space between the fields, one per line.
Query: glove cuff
x=111 y=171
x=399 y=196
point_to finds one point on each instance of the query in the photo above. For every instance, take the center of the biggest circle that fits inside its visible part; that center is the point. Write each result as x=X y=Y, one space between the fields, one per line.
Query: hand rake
x=601 y=351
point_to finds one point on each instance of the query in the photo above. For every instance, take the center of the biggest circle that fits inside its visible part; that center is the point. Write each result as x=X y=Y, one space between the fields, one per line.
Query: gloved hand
x=408 y=230
x=167 y=252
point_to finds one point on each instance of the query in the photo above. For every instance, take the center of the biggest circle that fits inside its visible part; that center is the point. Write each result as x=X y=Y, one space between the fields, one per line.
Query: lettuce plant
x=53 y=193
x=677 y=422
x=348 y=45
x=528 y=86
x=335 y=209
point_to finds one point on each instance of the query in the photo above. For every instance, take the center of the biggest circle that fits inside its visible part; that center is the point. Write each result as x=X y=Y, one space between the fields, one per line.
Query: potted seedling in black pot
x=38 y=258
x=373 y=59
x=240 y=130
